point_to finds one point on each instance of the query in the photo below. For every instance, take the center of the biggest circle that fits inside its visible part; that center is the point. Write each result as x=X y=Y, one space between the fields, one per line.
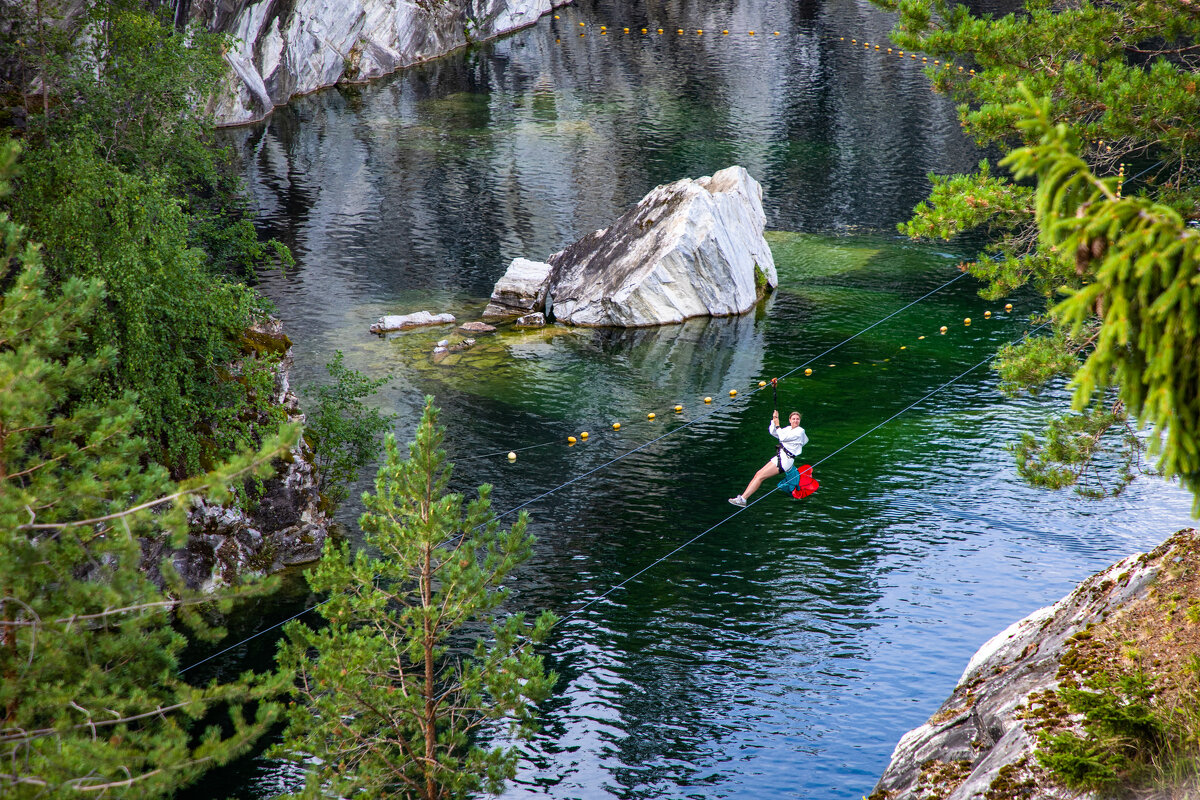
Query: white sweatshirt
x=793 y=439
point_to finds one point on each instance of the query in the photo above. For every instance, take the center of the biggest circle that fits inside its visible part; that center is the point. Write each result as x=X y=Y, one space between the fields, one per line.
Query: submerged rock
x=535 y=320
x=477 y=327
x=688 y=249
x=399 y=322
x=981 y=742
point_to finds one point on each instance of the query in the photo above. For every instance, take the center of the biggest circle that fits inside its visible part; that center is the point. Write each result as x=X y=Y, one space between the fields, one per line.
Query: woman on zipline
x=791 y=439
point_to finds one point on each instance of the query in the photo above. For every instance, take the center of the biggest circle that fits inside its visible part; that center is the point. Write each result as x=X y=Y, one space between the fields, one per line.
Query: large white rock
x=687 y=249
x=286 y=49
x=520 y=291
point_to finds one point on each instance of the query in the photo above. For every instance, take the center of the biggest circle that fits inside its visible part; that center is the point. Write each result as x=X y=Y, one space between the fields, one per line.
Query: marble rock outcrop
x=981 y=742
x=293 y=47
x=688 y=249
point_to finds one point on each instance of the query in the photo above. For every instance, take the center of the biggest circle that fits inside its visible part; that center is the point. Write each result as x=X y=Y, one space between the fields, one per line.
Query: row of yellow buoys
x=808 y=372
x=924 y=59
x=660 y=31
x=604 y=29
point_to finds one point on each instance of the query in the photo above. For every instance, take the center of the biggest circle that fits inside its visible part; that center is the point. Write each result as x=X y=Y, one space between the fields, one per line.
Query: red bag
x=807 y=484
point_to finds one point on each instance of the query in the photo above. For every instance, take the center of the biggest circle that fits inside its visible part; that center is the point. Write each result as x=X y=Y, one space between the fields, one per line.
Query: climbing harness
x=798 y=483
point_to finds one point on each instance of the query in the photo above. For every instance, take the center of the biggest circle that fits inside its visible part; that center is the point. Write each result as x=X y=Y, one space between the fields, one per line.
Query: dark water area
x=782 y=652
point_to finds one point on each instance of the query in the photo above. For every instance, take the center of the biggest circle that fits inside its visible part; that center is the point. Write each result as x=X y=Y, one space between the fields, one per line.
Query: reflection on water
x=780 y=653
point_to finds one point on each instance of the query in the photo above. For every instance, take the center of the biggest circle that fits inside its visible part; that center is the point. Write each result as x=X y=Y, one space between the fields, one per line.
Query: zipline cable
x=767 y=494
x=750 y=392
x=605 y=465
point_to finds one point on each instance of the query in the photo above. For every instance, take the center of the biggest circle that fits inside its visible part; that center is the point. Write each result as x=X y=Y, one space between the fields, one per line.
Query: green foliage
x=170 y=322
x=121 y=182
x=90 y=695
x=1142 y=262
x=1116 y=80
x=1124 y=734
x=393 y=696
x=1074 y=451
x=344 y=432
x=1033 y=362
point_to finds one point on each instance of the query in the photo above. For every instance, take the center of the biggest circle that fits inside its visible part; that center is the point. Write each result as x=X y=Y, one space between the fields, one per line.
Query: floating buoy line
x=708 y=401
x=757 y=34
x=581 y=31
x=573 y=439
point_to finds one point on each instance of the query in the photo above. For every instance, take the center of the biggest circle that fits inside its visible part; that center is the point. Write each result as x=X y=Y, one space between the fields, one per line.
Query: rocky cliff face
x=284 y=523
x=981 y=742
x=286 y=48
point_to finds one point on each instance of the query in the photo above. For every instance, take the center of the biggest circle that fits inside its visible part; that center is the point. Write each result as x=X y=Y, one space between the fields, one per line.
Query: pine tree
x=90 y=696
x=1143 y=263
x=394 y=696
x=1122 y=77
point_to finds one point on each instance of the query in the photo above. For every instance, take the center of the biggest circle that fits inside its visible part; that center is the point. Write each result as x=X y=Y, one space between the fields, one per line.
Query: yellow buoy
x=762 y=383
x=751 y=33
x=808 y=372
x=583 y=435
x=581 y=24
x=699 y=31
x=708 y=400
x=901 y=52
x=733 y=392
x=889 y=49
x=616 y=426
x=603 y=27
x=626 y=30
x=920 y=337
x=678 y=409
x=943 y=329
x=660 y=30
x=903 y=347
x=650 y=415
x=570 y=440
x=1008 y=306
x=854 y=41
x=725 y=33
x=512 y=456
x=987 y=314
x=643 y=30
x=776 y=33
x=679 y=31
x=967 y=321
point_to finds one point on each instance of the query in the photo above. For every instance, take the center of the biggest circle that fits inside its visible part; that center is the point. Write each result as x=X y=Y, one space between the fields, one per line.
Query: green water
x=782 y=652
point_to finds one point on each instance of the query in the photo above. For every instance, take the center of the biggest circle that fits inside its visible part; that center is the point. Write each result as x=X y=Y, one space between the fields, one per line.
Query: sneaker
x=738 y=501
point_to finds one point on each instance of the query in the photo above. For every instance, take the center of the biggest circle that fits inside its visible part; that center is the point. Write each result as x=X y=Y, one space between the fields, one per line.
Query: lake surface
x=784 y=651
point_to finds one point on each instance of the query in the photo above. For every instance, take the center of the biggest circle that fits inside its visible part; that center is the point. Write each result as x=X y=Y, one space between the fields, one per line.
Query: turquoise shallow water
x=784 y=652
